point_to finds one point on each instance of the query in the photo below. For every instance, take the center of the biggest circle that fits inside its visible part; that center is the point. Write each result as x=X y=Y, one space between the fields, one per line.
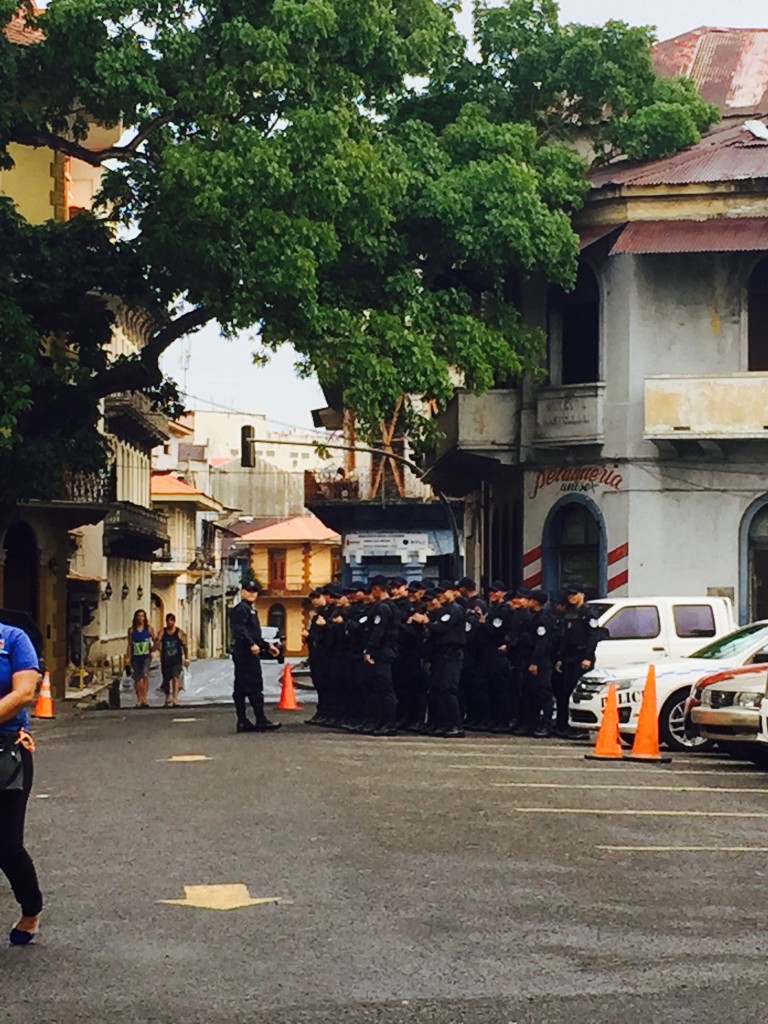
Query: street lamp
x=125 y=591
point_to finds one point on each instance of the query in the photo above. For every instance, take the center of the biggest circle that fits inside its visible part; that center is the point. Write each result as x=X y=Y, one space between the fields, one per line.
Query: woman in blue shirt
x=19 y=673
x=141 y=640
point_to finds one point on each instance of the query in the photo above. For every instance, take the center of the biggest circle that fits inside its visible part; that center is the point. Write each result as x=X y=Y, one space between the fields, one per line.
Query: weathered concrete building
x=639 y=464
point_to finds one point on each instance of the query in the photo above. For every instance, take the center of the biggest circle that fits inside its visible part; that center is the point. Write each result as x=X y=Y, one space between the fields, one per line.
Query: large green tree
x=280 y=169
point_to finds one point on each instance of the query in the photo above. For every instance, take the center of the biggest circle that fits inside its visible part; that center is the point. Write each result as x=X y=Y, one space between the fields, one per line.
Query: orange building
x=290 y=558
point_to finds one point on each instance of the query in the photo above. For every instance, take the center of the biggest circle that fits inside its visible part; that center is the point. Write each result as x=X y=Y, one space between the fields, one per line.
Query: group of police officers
x=437 y=659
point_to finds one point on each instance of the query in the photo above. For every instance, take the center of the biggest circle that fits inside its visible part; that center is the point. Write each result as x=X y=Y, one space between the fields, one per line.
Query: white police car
x=674 y=679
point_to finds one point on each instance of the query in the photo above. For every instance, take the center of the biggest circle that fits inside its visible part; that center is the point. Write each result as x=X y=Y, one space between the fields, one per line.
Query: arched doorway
x=574 y=548
x=574 y=331
x=21 y=573
x=276 y=618
x=758 y=318
x=753 y=595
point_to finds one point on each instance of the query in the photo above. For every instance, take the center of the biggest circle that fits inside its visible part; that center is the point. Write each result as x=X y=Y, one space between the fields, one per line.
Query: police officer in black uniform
x=318 y=639
x=398 y=593
x=248 y=645
x=578 y=636
x=447 y=634
x=537 y=639
x=379 y=652
x=472 y=682
x=514 y=641
x=495 y=676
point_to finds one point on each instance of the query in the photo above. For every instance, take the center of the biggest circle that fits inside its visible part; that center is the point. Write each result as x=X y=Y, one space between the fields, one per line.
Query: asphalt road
x=421 y=881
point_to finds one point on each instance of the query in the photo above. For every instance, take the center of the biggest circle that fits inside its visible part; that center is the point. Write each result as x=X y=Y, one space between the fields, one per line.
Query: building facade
x=290 y=558
x=638 y=464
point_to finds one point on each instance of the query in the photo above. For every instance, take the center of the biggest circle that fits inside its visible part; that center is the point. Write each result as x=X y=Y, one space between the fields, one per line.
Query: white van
x=654 y=629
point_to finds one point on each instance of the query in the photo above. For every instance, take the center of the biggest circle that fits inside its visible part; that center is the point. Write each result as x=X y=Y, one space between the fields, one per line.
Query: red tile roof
x=17 y=31
x=727 y=153
x=166 y=483
x=296 y=530
x=728 y=65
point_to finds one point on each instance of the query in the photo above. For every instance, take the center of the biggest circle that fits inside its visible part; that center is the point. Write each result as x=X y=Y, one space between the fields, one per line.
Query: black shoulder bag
x=11 y=765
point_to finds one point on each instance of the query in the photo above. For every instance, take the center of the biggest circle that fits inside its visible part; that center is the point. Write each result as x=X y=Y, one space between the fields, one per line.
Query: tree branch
x=144 y=370
x=28 y=135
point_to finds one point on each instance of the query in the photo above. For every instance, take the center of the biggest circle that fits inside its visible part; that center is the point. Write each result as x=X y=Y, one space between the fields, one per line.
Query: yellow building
x=290 y=558
x=189 y=557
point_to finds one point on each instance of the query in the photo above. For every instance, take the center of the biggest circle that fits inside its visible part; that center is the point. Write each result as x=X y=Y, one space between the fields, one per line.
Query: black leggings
x=15 y=862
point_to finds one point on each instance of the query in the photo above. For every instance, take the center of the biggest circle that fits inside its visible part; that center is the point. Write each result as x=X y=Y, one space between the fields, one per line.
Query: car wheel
x=672 y=726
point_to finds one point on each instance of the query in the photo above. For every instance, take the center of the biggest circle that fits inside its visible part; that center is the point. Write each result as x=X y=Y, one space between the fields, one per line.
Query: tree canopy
x=337 y=173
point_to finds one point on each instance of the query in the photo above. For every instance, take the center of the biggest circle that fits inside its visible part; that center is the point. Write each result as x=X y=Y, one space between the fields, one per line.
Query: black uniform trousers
x=380 y=699
x=564 y=683
x=320 y=669
x=498 y=677
x=412 y=692
x=444 y=707
x=538 y=698
x=249 y=685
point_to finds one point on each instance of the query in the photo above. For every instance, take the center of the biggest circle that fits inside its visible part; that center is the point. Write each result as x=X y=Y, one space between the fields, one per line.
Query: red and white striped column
x=618 y=573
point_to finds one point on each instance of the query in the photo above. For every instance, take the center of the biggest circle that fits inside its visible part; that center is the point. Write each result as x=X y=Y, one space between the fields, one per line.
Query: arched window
x=574 y=548
x=574 y=331
x=757 y=313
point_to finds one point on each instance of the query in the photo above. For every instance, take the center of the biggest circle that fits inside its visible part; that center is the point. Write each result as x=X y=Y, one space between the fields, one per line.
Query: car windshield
x=734 y=643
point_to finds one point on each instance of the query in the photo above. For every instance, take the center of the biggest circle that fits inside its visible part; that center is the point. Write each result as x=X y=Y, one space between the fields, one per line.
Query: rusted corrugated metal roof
x=721 y=234
x=728 y=65
x=592 y=233
x=728 y=153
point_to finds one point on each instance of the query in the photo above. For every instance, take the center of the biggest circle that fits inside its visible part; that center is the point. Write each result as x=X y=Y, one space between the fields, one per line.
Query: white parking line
x=643 y=814
x=661 y=770
x=630 y=787
x=684 y=849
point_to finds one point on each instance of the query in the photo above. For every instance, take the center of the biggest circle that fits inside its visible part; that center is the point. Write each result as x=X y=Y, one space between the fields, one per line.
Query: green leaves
x=336 y=173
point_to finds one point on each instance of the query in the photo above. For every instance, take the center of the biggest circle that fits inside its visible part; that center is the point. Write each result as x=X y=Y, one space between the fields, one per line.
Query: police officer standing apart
x=577 y=643
x=248 y=645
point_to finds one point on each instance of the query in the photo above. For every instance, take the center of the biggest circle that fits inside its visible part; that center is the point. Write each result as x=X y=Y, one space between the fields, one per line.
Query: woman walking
x=19 y=673
x=141 y=640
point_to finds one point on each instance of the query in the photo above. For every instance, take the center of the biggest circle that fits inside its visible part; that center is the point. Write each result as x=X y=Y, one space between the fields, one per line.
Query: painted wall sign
x=577 y=479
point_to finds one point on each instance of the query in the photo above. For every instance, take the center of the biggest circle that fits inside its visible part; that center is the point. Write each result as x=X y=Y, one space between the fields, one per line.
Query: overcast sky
x=219 y=373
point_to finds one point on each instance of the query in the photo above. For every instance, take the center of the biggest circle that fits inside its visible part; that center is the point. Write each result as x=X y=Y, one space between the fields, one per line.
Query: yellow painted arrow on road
x=219 y=897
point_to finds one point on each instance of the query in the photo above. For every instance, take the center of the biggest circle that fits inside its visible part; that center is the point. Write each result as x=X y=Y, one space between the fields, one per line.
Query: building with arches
x=638 y=463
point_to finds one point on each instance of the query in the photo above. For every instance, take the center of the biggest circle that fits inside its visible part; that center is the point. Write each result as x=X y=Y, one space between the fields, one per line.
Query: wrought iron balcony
x=132 y=531
x=131 y=416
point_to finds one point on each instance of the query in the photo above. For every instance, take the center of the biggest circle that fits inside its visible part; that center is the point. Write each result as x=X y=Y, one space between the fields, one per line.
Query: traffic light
x=247 y=444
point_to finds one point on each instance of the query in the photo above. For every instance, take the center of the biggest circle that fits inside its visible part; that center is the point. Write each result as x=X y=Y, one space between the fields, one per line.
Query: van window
x=693 y=620
x=640 y=622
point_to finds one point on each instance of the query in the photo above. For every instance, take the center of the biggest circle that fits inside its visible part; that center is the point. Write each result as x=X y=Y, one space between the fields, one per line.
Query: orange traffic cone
x=608 y=745
x=646 y=745
x=44 y=702
x=287 y=700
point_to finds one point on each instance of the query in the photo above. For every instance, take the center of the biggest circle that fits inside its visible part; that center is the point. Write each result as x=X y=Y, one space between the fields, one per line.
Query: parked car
x=674 y=679
x=728 y=710
x=272 y=635
x=658 y=628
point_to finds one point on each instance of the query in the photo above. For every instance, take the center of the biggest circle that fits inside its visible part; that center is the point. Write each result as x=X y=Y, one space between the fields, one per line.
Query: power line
x=242 y=412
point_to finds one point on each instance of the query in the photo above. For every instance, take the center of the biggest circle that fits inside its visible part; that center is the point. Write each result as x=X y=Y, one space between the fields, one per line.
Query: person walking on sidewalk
x=248 y=645
x=19 y=673
x=141 y=640
x=174 y=656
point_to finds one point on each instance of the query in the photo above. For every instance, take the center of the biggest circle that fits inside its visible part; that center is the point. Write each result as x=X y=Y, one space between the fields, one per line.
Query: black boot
x=245 y=725
x=264 y=725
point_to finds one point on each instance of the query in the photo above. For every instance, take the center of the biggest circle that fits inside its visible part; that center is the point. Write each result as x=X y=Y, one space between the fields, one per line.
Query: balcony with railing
x=706 y=411
x=132 y=531
x=478 y=432
x=571 y=414
x=132 y=416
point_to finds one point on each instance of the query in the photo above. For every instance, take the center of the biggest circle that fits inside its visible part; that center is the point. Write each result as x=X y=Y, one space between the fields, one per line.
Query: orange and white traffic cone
x=608 y=746
x=287 y=700
x=44 y=702
x=646 y=745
